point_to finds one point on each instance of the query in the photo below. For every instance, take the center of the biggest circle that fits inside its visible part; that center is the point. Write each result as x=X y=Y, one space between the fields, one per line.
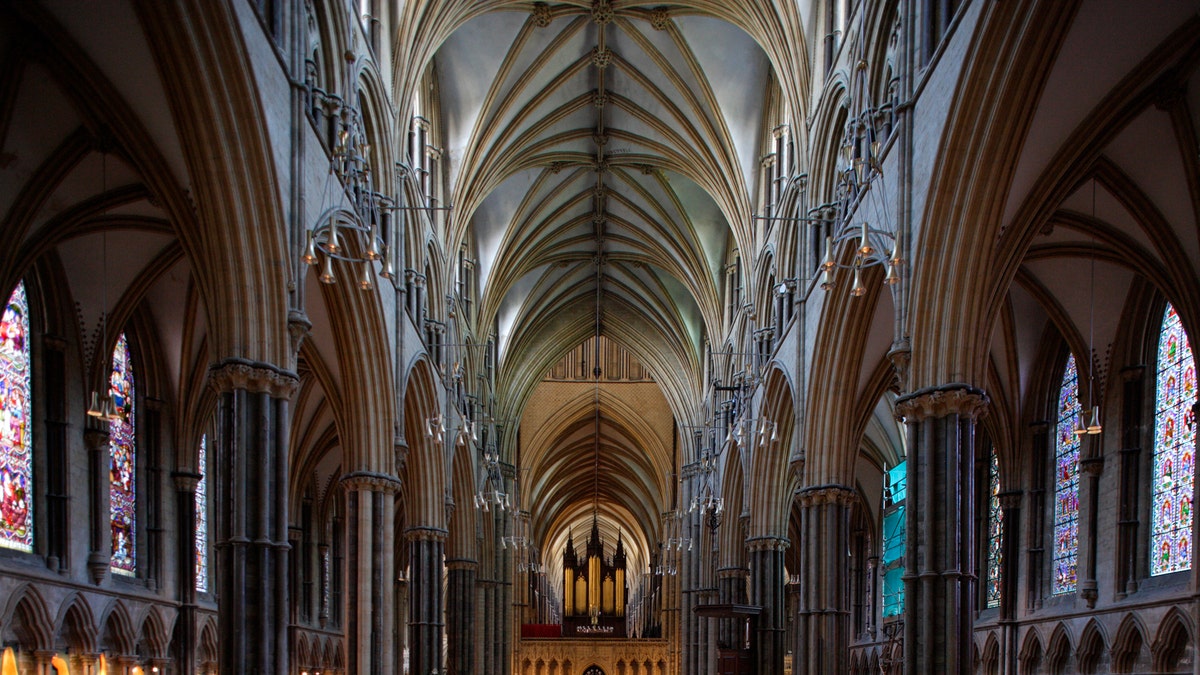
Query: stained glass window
x=202 y=518
x=122 y=446
x=995 y=555
x=891 y=561
x=16 y=452
x=1174 y=447
x=1066 y=482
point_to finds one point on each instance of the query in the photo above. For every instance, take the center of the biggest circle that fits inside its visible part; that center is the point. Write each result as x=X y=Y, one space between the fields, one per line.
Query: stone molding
x=241 y=374
x=1011 y=499
x=827 y=494
x=95 y=439
x=369 y=481
x=186 y=481
x=755 y=544
x=944 y=400
x=462 y=564
x=732 y=573
x=418 y=533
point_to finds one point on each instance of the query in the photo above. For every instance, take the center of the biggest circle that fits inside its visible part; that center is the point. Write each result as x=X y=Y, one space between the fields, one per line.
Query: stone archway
x=594 y=670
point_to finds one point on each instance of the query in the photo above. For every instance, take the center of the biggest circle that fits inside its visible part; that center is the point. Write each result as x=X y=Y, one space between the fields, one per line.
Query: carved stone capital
x=827 y=494
x=755 y=544
x=186 y=481
x=234 y=373
x=732 y=573
x=369 y=481
x=95 y=439
x=1092 y=466
x=1010 y=499
x=942 y=401
x=435 y=534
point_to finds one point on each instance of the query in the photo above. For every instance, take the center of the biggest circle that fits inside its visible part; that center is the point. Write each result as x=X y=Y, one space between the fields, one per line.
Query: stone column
x=823 y=637
x=1092 y=465
x=100 y=542
x=1041 y=453
x=460 y=615
x=186 y=633
x=370 y=617
x=426 y=550
x=939 y=585
x=252 y=515
x=1010 y=548
x=731 y=589
x=766 y=583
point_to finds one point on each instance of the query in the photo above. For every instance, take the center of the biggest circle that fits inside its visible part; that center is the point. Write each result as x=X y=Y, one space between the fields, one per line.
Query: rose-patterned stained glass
x=995 y=555
x=1174 y=450
x=202 y=518
x=16 y=451
x=122 y=446
x=1066 y=482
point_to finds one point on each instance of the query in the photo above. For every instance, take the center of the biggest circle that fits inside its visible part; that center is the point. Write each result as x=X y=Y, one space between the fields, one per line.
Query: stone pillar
x=100 y=541
x=370 y=617
x=731 y=589
x=766 y=583
x=251 y=494
x=1041 y=453
x=1010 y=547
x=939 y=585
x=186 y=630
x=460 y=615
x=426 y=550
x=823 y=636
x=1091 y=465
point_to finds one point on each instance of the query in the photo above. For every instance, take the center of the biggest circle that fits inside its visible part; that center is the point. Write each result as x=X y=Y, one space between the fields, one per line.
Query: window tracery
x=16 y=451
x=1174 y=447
x=122 y=445
x=1066 y=482
x=202 y=518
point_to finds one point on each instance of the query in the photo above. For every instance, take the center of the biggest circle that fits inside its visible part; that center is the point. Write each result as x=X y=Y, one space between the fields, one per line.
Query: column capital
x=755 y=544
x=95 y=438
x=1010 y=499
x=236 y=373
x=419 y=533
x=370 y=481
x=186 y=481
x=1092 y=466
x=943 y=400
x=732 y=572
x=826 y=494
x=462 y=564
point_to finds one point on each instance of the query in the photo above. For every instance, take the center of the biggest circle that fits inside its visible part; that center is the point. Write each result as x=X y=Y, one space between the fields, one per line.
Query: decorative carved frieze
x=242 y=374
x=941 y=401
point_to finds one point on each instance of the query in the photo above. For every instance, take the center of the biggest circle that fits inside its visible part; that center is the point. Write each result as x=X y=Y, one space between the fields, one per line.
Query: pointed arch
x=426 y=465
x=1129 y=653
x=1173 y=649
x=16 y=438
x=1058 y=650
x=27 y=619
x=1030 y=657
x=118 y=636
x=155 y=636
x=990 y=664
x=1092 y=649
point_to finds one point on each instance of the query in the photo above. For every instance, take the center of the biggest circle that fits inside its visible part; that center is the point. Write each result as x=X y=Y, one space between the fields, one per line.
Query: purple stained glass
x=995 y=557
x=202 y=518
x=1174 y=447
x=16 y=451
x=122 y=446
x=1066 y=482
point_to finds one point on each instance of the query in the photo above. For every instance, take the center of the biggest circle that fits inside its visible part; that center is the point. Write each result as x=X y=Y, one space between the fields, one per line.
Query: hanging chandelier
x=358 y=213
x=861 y=195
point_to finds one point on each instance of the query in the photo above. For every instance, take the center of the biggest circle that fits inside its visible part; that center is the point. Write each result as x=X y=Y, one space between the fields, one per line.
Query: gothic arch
x=990 y=661
x=426 y=470
x=771 y=485
x=77 y=626
x=155 y=637
x=1129 y=652
x=118 y=637
x=1092 y=652
x=1059 y=651
x=1173 y=648
x=1030 y=658
x=27 y=620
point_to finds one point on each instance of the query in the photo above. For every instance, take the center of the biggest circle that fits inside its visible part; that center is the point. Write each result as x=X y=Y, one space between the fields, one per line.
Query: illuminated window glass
x=1174 y=445
x=16 y=452
x=891 y=562
x=1066 y=482
x=122 y=446
x=995 y=556
x=202 y=518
